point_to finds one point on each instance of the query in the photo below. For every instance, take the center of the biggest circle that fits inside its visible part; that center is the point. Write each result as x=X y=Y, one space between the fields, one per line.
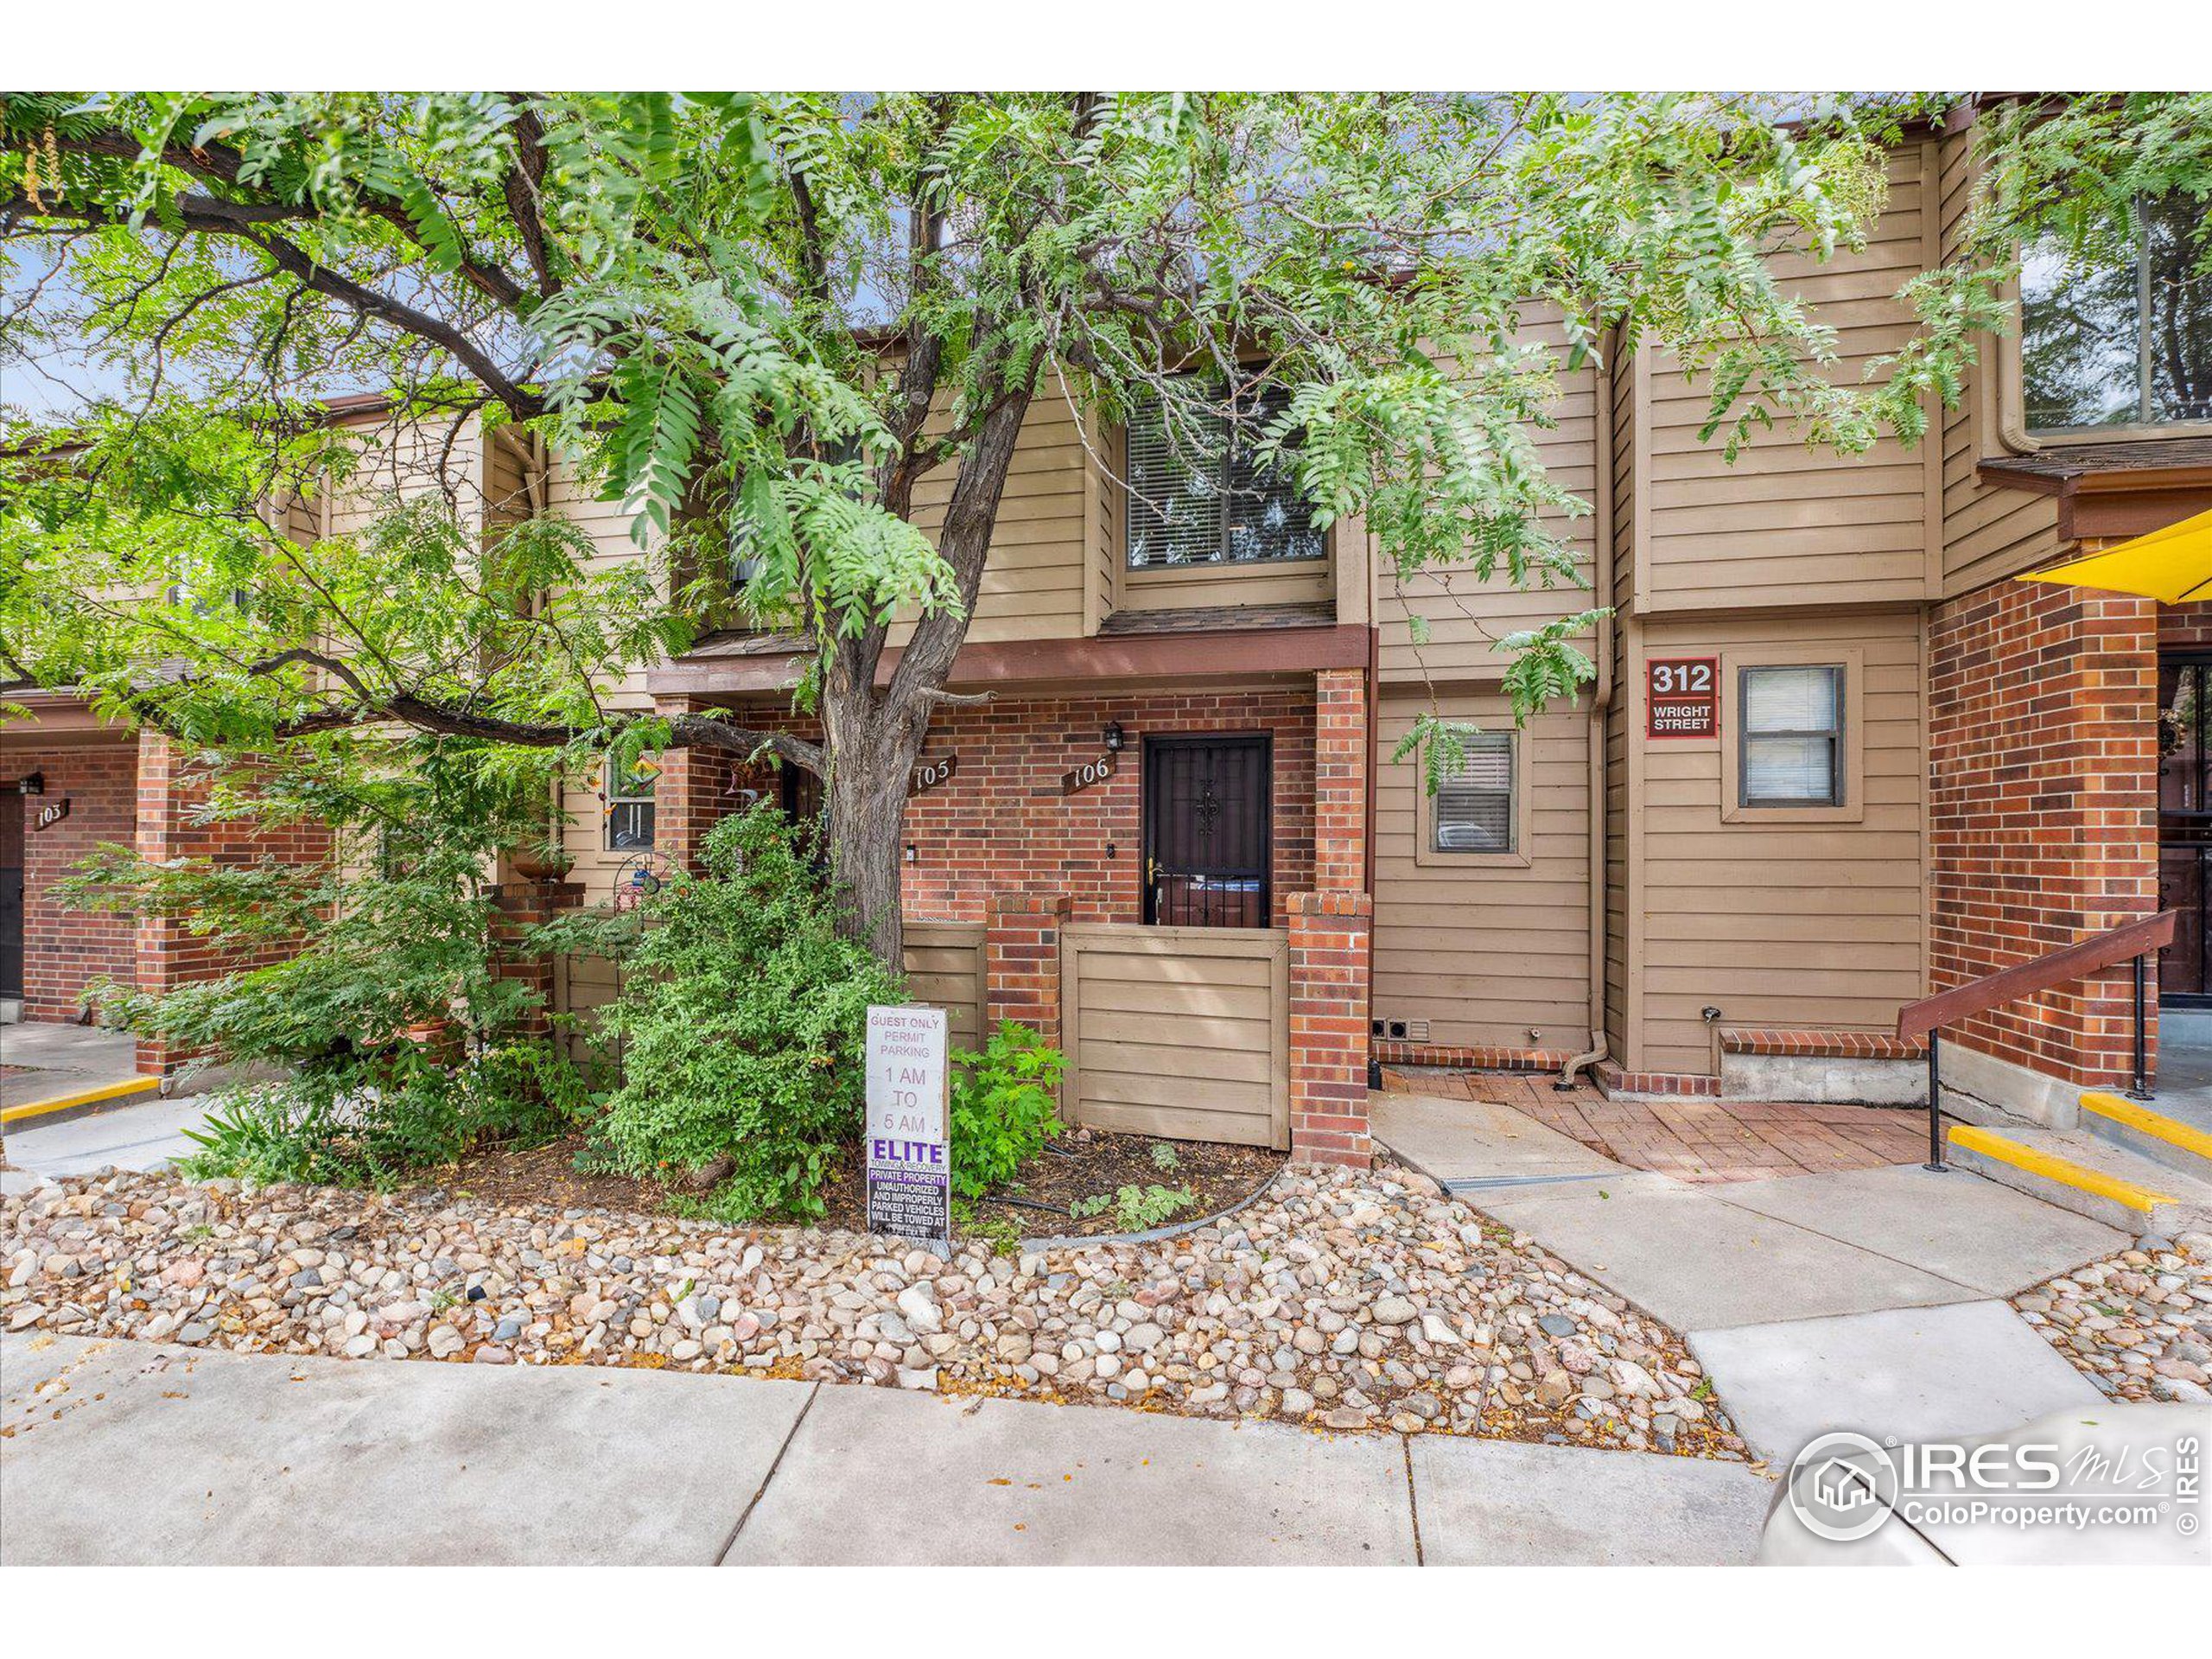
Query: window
x=2119 y=332
x=1792 y=736
x=630 y=808
x=1473 y=808
x=1198 y=495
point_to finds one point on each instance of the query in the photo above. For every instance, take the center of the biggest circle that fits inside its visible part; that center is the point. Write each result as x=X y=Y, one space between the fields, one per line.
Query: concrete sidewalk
x=134 y=1452
x=138 y=1134
x=1867 y=1299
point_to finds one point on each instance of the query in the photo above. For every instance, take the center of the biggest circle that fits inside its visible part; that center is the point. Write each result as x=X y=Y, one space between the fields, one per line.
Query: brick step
x=2089 y=1176
x=2133 y=1126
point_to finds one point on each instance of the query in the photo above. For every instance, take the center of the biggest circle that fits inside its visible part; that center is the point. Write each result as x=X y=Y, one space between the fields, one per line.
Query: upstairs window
x=1793 y=737
x=630 y=808
x=1474 y=807
x=1198 y=495
x=2119 y=332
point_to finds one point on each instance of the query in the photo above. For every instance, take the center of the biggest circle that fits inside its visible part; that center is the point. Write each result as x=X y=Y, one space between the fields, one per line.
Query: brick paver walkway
x=1694 y=1140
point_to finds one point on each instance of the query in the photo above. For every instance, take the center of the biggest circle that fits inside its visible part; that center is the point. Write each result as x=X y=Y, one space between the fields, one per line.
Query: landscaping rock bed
x=2137 y=1324
x=1340 y=1301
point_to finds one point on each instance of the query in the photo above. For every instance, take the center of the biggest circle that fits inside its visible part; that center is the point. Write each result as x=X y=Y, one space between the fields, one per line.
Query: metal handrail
x=2133 y=942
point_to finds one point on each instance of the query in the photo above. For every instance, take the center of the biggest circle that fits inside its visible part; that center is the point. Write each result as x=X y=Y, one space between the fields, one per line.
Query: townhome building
x=1836 y=757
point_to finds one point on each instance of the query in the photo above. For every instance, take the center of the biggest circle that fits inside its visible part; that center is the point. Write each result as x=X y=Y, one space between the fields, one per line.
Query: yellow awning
x=2173 y=565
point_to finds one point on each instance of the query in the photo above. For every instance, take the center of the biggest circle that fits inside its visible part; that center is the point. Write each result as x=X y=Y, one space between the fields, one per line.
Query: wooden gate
x=1181 y=1031
x=944 y=966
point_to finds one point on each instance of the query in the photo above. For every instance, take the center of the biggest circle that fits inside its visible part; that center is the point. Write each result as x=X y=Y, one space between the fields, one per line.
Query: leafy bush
x=1137 y=1209
x=1002 y=1108
x=744 y=1021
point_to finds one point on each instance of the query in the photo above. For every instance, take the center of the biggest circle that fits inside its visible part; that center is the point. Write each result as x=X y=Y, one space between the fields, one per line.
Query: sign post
x=909 y=1151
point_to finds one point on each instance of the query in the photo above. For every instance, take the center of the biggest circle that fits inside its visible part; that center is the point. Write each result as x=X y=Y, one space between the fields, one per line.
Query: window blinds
x=1474 y=806
x=1198 y=496
x=1792 y=717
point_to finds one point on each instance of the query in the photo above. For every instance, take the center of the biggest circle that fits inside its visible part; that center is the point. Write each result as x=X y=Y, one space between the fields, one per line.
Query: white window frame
x=616 y=802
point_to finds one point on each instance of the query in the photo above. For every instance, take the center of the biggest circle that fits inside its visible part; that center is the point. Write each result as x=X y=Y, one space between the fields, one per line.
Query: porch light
x=1114 y=736
x=32 y=783
x=911 y=855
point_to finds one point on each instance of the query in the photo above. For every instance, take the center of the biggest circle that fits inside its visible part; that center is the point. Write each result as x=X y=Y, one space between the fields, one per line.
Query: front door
x=1206 y=844
x=11 y=892
x=2185 y=826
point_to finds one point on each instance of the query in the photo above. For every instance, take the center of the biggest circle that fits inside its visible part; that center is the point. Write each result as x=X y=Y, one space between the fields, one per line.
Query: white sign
x=909 y=1153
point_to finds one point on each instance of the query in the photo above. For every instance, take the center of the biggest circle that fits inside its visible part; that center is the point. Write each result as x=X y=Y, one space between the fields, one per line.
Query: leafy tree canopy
x=763 y=322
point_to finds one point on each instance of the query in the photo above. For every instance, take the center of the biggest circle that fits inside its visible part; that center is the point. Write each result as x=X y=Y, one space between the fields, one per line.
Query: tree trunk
x=872 y=751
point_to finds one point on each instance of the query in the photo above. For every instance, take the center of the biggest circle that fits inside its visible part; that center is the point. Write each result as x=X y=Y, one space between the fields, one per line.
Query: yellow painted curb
x=2141 y=1119
x=124 y=1090
x=2064 y=1170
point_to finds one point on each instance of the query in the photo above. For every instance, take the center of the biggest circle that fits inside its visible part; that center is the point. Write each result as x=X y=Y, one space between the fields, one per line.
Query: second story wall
x=1785 y=524
x=1465 y=615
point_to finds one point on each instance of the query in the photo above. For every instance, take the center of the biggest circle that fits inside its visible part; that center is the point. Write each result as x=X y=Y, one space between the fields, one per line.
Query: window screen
x=1198 y=495
x=1474 y=806
x=1793 y=731
x=629 y=809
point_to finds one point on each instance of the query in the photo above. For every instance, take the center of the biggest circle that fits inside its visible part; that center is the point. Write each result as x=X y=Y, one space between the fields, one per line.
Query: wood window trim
x=1429 y=855
x=2012 y=430
x=1851 y=659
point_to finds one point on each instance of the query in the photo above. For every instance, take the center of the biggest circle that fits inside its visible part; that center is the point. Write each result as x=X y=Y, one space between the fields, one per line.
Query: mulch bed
x=1081 y=1164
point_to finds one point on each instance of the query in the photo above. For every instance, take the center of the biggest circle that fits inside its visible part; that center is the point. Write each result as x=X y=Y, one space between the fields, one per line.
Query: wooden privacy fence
x=1182 y=1032
x=945 y=967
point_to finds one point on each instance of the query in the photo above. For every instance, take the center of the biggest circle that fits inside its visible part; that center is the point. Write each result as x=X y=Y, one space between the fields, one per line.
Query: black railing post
x=1935 y=1106
x=2142 y=1089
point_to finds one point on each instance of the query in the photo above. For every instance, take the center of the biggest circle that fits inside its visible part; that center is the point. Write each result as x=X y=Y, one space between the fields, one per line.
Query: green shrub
x=743 y=1023
x=1002 y=1108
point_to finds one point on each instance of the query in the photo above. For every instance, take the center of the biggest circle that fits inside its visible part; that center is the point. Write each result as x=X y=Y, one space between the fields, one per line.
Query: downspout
x=1601 y=701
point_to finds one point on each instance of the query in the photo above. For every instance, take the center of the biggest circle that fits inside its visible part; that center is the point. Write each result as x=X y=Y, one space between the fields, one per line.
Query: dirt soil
x=1081 y=1164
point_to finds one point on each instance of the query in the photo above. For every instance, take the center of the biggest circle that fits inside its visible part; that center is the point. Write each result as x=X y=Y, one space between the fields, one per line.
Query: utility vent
x=1402 y=1031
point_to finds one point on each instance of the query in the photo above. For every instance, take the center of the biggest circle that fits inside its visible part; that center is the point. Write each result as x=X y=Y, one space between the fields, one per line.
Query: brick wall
x=2042 y=808
x=1001 y=824
x=1329 y=953
x=65 y=949
x=171 y=790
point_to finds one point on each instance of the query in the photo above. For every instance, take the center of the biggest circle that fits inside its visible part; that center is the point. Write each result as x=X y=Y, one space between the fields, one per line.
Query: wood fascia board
x=1211 y=653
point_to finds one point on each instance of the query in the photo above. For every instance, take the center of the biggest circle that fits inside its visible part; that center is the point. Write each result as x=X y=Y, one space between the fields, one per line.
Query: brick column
x=1330 y=931
x=168 y=953
x=691 y=795
x=2043 y=810
x=1021 y=956
x=524 y=905
x=1340 y=780
x=1329 y=1026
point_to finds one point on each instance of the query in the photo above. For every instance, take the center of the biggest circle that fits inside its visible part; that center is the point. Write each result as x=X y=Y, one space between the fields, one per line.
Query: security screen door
x=1206 y=803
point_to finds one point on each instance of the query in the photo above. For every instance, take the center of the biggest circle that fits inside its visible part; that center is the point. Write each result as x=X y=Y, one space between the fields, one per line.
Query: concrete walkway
x=135 y=1135
x=265 y=1459
x=59 y=1059
x=1869 y=1299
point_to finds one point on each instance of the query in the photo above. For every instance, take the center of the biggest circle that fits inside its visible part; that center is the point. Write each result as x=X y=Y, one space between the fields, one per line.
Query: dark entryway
x=2185 y=826
x=11 y=892
x=1206 y=831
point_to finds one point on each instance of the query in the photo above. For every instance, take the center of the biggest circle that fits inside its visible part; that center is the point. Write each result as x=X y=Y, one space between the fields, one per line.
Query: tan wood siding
x=945 y=969
x=1485 y=952
x=1785 y=525
x=1464 y=614
x=1182 y=1032
x=1776 y=924
x=1989 y=533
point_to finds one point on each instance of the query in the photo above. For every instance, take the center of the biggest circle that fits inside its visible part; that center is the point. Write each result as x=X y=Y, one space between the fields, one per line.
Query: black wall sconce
x=1115 y=738
x=32 y=783
x=912 y=857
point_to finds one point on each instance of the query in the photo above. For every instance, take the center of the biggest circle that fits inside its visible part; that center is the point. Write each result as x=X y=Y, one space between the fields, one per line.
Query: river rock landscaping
x=1340 y=1300
x=2137 y=1324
